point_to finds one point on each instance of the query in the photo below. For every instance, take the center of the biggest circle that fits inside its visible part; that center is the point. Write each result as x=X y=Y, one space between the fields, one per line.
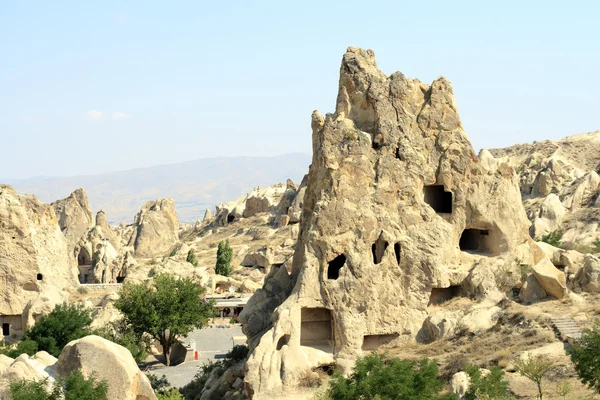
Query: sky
x=88 y=87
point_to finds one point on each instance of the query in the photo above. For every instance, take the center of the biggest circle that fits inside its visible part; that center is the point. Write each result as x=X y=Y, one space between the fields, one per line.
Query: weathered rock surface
x=109 y=361
x=35 y=263
x=37 y=367
x=156 y=229
x=559 y=184
x=397 y=205
x=588 y=277
x=550 y=278
x=74 y=216
x=532 y=291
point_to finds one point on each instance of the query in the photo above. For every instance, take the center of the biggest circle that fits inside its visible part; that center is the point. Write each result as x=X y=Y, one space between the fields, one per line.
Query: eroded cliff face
x=398 y=213
x=74 y=216
x=559 y=184
x=156 y=229
x=36 y=268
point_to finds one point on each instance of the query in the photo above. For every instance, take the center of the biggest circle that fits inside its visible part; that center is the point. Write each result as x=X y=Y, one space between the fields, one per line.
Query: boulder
x=588 y=277
x=110 y=362
x=441 y=324
x=532 y=291
x=550 y=278
x=37 y=367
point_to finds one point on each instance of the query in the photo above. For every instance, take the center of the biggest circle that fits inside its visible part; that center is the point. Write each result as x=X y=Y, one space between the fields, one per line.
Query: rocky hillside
x=194 y=185
x=560 y=186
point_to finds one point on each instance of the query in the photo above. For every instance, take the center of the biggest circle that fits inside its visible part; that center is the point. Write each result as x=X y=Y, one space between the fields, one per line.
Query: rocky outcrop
x=559 y=185
x=110 y=362
x=37 y=367
x=588 y=277
x=74 y=216
x=107 y=230
x=550 y=278
x=35 y=263
x=397 y=210
x=156 y=229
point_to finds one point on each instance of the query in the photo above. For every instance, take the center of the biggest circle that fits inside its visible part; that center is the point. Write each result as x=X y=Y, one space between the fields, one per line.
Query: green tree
x=534 y=368
x=24 y=389
x=169 y=308
x=563 y=388
x=585 y=356
x=172 y=394
x=224 y=254
x=375 y=378
x=486 y=387
x=191 y=258
x=65 y=323
x=123 y=334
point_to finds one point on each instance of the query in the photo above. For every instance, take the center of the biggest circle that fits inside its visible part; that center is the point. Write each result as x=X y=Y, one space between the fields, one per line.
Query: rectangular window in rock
x=372 y=342
x=316 y=327
x=438 y=198
x=442 y=295
x=5 y=329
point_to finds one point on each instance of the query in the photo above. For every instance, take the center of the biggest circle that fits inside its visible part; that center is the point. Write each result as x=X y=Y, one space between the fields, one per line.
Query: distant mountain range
x=195 y=185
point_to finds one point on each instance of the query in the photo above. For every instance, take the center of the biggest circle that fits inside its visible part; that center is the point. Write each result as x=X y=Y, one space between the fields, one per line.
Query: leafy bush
x=553 y=238
x=224 y=255
x=159 y=385
x=490 y=386
x=585 y=357
x=65 y=323
x=191 y=258
x=28 y=347
x=172 y=394
x=375 y=378
x=238 y=353
x=72 y=387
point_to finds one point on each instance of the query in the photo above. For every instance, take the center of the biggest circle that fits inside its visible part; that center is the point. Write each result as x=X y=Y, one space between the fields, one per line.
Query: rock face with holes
x=74 y=216
x=156 y=229
x=35 y=263
x=397 y=205
x=559 y=184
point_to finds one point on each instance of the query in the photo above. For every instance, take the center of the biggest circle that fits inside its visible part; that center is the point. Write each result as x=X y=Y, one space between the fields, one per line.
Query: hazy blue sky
x=95 y=86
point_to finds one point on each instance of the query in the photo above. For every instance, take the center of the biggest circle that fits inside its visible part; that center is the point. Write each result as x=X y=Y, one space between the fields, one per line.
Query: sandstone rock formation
x=110 y=362
x=398 y=213
x=74 y=216
x=37 y=367
x=559 y=184
x=156 y=229
x=35 y=264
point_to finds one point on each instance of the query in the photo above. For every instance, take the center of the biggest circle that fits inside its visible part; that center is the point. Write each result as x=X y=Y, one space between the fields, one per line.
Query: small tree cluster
x=374 y=377
x=224 y=255
x=585 y=356
x=191 y=258
x=486 y=387
x=534 y=368
x=122 y=334
x=72 y=387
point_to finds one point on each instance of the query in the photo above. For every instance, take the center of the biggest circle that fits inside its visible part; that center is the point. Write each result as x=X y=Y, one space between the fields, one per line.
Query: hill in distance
x=195 y=185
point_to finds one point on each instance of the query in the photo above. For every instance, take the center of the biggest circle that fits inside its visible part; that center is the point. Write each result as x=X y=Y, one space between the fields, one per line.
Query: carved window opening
x=378 y=249
x=479 y=241
x=438 y=198
x=39 y=277
x=284 y=340
x=441 y=295
x=5 y=329
x=230 y=218
x=316 y=327
x=372 y=342
x=397 y=252
x=334 y=266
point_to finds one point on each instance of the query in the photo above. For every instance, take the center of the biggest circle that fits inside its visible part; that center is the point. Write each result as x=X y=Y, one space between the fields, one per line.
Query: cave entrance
x=378 y=249
x=39 y=277
x=284 y=340
x=372 y=342
x=230 y=218
x=6 y=329
x=397 y=252
x=316 y=328
x=442 y=295
x=120 y=279
x=438 y=198
x=334 y=266
x=482 y=241
x=83 y=258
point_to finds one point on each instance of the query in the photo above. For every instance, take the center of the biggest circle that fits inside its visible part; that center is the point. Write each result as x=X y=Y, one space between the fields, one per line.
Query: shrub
x=585 y=357
x=172 y=394
x=534 y=368
x=28 y=347
x=65 y=323
x=375 y=378
x=159 y=385
x=563 y=388
x=191 y=258
x=224 y=255
x=72 y=387
x=122 y=334
x=490 y=386
x=553 y=238
x=238 y=353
